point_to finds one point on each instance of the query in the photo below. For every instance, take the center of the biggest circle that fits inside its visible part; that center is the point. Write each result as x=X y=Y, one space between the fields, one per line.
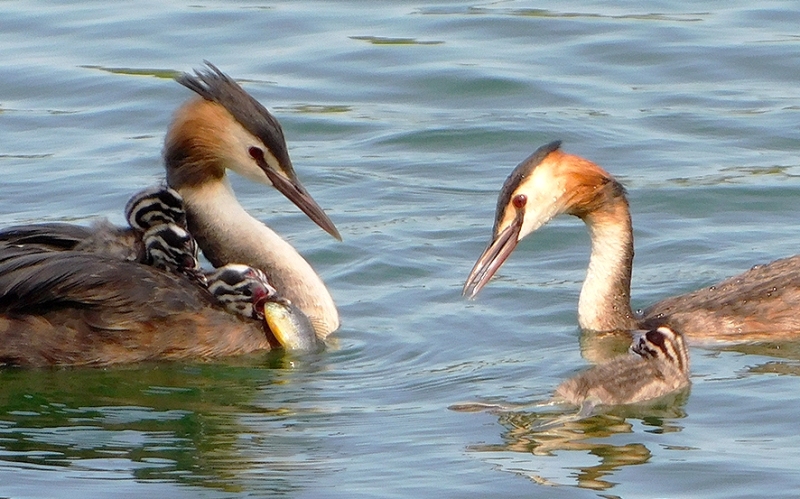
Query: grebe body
x=76 y=308
x=73 y=295
x=760 y=303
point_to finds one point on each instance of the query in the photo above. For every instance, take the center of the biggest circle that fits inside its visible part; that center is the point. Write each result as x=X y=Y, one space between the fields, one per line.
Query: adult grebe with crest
x=63 y=304
x=761 y=303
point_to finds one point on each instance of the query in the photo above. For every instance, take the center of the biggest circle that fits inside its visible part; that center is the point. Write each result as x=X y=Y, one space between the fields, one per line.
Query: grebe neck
x=605 y=300
x=228 y=234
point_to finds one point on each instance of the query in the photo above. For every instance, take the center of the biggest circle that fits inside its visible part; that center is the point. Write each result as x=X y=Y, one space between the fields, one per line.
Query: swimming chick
x=657 y=365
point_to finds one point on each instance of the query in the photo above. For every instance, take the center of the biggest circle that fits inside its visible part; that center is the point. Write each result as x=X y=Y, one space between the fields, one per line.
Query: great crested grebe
x=658 y=364
x=225 y=128
x=62 y=306
x=761 y=302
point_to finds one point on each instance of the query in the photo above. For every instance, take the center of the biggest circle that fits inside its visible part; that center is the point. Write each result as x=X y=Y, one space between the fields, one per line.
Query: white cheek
x=238 y=158
x=545 y=195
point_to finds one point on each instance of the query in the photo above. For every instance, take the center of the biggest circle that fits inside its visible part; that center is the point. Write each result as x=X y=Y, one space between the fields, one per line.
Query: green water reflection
x=177 y=422
x=546 y=434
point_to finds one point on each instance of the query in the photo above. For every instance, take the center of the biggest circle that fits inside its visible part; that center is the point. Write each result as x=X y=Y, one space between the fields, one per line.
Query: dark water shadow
x=176 y=422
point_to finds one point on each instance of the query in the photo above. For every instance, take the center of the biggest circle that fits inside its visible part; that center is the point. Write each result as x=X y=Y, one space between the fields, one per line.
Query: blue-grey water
x=403 y=119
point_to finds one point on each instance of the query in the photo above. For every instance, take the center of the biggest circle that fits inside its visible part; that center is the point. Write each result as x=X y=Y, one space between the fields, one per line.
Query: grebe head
x=172 y=248
x=663 y=344
x=241 y=289
x=546 y=184
x=154 y=206
x=226 y=128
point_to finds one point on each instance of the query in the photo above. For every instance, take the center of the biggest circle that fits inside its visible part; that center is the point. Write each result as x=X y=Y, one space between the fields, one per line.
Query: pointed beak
x=499 y=249
x=298 y=195
x=492 y=259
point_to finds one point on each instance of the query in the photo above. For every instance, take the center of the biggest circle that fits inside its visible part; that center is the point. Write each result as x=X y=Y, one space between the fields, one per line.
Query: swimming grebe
x=59 y=306
x=225 y=128
x=758 y=303
x=658 y=364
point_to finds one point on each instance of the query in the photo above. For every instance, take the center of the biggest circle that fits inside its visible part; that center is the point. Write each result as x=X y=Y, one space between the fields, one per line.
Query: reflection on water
x=548 y=434
x=598 y=347
x=172 y=422
x=788 y=351
x=168 y=74
x=785 y=368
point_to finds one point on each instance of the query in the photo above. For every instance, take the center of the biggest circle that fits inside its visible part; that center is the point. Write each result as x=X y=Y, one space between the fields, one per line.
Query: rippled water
x=403 y=119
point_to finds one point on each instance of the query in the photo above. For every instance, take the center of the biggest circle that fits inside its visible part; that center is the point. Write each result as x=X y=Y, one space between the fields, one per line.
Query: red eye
x=256 y=153
x=519 y=201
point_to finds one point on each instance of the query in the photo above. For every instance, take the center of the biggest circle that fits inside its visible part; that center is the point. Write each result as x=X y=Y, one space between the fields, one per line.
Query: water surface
x=402 y=120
